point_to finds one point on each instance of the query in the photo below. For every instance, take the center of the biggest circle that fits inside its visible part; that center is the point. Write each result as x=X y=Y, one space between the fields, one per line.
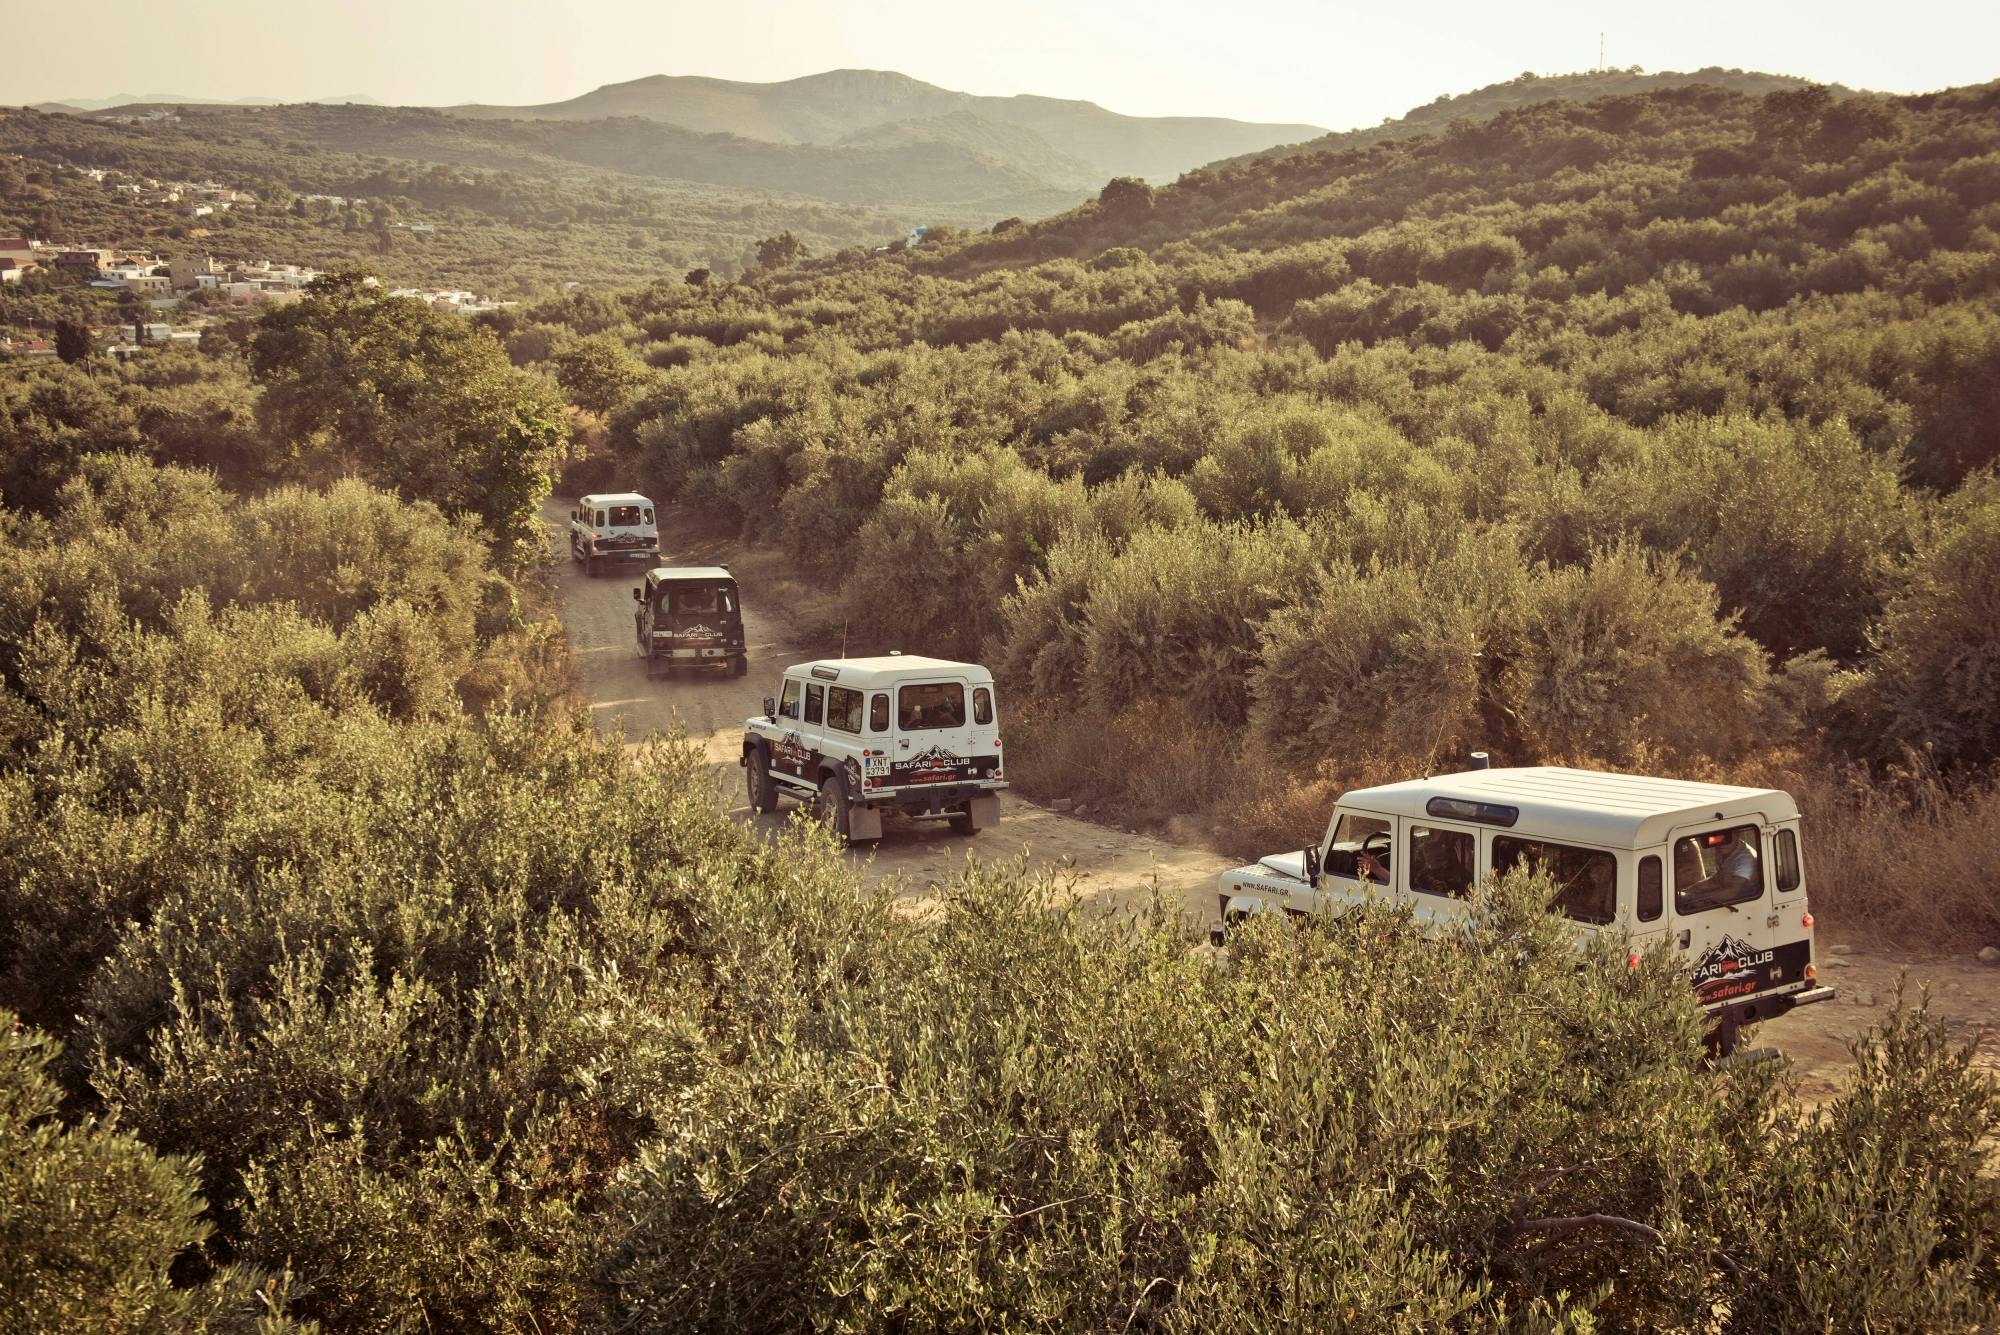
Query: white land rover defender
x=689 y=617
x=608 y=528
x=1714 y=870
x=855 y=737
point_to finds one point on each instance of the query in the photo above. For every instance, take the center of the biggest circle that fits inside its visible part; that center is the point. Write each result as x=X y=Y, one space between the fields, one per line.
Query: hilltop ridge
x=828 y=107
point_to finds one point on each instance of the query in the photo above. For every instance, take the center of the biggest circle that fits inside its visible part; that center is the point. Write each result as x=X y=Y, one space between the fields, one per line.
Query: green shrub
x=92 y=1222
x=1935 y=682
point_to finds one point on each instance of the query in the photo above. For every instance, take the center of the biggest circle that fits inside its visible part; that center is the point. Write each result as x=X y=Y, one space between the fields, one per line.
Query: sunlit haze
x=1337 y=65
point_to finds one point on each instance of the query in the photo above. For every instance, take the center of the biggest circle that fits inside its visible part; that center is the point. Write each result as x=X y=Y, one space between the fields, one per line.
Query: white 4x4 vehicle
x=855 y=737
x=1714 y=870
x=613 y=527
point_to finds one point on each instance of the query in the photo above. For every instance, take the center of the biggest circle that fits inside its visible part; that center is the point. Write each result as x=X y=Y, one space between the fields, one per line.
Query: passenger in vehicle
x=696 y=600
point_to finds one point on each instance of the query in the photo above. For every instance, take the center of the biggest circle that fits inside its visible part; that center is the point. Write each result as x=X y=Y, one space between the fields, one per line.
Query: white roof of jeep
x=615 y=498
x=887 y=668
x=1580 y=805
x=658 y=573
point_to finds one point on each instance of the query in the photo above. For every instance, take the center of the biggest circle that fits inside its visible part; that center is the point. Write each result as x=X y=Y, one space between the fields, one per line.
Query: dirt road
x=1110 y=866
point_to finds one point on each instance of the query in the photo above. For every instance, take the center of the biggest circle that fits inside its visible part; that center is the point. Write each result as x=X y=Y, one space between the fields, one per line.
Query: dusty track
x=1110 y=866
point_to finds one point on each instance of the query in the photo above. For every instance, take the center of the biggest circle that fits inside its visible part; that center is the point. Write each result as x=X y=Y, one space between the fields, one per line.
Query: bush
x=1935 y=683
x=92 y=1222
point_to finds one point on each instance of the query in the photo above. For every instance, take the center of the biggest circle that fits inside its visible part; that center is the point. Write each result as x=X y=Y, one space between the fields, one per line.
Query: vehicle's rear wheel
x=740 y=666
x=763 y=793
x=830 y=807
x=961 y=821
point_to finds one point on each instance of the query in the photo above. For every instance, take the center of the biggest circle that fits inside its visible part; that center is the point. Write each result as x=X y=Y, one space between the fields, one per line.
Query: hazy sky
x=1336 y=64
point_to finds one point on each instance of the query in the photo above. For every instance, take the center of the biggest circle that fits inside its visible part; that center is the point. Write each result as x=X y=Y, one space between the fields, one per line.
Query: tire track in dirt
x=1109 y=867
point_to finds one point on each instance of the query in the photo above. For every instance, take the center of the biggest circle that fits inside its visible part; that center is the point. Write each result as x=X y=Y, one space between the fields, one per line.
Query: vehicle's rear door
x=1720 y=910
x=933 y=717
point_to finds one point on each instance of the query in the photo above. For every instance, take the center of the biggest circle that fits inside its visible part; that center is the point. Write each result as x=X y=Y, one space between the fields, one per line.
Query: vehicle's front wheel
x=590 y=567
x=830 y=807
x=763 y=793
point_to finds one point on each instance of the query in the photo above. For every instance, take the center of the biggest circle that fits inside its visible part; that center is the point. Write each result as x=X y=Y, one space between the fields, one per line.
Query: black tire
x=830 y=807
x=763 y=793
x=961 y=822
x=590 y=567
x=740 y=666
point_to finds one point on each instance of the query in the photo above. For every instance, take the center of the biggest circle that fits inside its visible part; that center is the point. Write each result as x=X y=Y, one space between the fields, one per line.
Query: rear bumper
x=1759 y=1007
x=649 y=555
x=703 y=654
x=931 y=799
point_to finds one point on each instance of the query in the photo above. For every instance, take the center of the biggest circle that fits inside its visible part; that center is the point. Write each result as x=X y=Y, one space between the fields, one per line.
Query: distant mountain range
x=856 y=137
x=117 y=100
x=880 y=106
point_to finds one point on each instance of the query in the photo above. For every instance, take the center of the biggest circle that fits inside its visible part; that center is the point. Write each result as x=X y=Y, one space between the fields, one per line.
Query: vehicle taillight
x=1632 y=960
x=1812 y=972
x=1806 y=922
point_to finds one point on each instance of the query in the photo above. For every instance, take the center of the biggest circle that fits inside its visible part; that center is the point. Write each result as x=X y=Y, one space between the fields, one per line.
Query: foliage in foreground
x=91 y=1221
x=469 y=1020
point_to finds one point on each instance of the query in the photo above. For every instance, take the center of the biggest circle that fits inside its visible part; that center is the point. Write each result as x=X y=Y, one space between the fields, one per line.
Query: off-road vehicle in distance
x=856 y=737
x=618 y=527
x=1714 y=870
x=689 y=617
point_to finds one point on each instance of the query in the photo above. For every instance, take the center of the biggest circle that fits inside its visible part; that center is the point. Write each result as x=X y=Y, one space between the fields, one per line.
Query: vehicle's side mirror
x=638 y=597
x=1312 y=865
x=770 y=709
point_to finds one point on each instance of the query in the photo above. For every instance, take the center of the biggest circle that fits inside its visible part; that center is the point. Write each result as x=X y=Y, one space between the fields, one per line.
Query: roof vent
x=1478 y=760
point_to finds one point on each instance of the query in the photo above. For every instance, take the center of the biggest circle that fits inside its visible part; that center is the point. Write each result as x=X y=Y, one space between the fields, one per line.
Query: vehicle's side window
x=1788 y=861
x=1717 y=869
x=843 y=708
x=1650 y=898
x=982 y=706
x=600 y=519
x=878 y=713
x=647 y=514
x=1586 y=878
x=1441 y=861
x=1360 y=849
x=815 y=702
x=788 y=705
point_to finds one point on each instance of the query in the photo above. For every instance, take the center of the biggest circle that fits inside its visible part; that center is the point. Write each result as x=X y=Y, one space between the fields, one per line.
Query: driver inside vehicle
x=1736 y=876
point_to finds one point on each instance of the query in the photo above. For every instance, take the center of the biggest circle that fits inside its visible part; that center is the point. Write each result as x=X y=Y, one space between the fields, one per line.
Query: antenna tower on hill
x=1600 y=53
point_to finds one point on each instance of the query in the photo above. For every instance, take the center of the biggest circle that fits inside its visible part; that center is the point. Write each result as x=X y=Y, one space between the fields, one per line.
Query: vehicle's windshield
x=698 y=599
x=1717 y=869
x=936 y=705
x=630 y=516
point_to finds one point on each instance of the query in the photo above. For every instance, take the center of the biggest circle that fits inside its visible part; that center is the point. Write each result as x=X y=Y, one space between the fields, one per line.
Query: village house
x=188 y=273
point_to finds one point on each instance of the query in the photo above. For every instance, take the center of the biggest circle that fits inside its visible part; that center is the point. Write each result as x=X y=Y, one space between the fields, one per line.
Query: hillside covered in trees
x=349 y=979
x=1656 y=429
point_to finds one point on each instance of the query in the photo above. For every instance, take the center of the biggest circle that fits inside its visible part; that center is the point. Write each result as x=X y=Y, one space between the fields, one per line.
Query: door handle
x=1687 y=934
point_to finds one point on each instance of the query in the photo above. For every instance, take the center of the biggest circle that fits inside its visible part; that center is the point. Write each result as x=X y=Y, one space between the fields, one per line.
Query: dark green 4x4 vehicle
x=689 y=617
